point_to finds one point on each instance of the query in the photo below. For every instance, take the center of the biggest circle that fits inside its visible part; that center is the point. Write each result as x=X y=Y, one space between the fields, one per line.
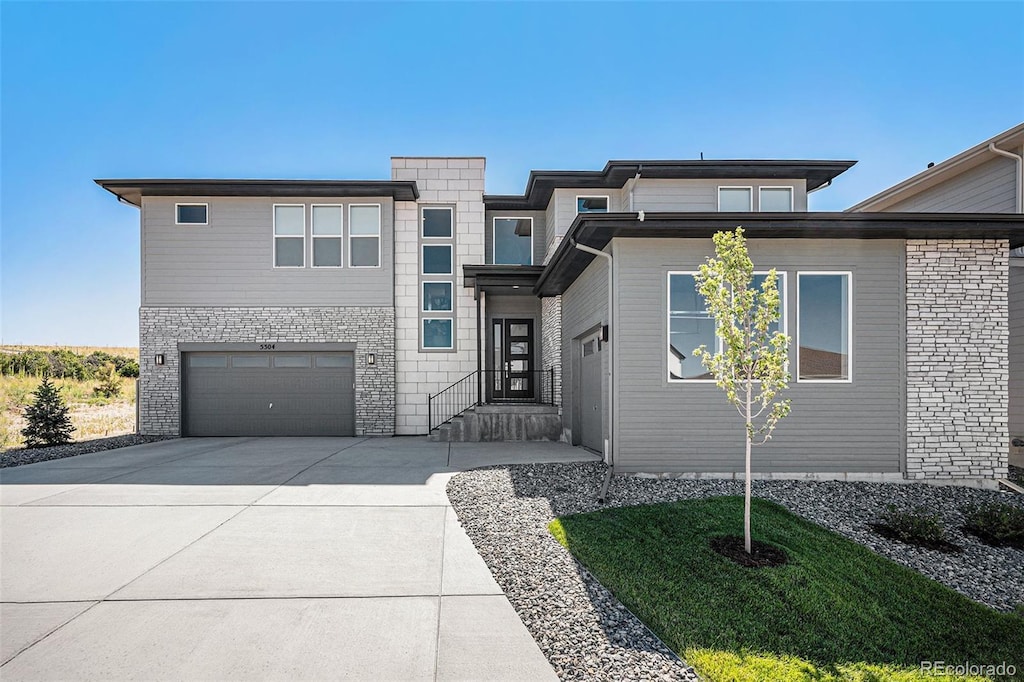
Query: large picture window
x=513 y=241
x=690 y=326
x=289 y=235
x=326 y=236
x=824 y=326
x=364 y=235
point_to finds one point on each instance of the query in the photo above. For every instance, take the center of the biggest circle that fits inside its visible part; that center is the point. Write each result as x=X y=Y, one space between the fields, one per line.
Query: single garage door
x=269 y=394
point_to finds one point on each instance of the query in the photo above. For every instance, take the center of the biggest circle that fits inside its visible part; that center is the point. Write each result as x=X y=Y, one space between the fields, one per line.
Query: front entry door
x=514 y=352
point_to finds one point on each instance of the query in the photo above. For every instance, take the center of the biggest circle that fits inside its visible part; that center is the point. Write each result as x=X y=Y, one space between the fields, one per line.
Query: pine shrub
x=47 y=416
x=110 y=381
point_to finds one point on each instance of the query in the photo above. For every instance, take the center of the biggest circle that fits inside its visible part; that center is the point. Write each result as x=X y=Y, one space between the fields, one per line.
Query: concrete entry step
x=501 y=423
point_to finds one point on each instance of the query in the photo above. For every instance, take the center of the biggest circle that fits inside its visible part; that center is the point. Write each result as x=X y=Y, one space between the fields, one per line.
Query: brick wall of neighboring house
x=957 y=365
x=456 y=182
x=162 y=328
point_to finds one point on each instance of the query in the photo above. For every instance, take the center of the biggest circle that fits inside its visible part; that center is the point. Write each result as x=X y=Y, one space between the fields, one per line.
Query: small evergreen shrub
x=110 y=382
x=47 y=416
x=918 y=527
x=997 y=524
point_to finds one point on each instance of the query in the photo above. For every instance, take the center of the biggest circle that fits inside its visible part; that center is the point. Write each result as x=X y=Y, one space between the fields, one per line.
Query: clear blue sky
x=325 y=90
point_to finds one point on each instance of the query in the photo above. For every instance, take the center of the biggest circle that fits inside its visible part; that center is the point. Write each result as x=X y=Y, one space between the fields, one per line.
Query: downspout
x=609 y=455
x=633 y=186
x=1019 y=199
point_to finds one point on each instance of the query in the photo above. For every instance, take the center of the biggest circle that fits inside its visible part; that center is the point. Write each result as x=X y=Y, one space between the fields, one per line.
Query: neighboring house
x=423 y=304
x=987 y=178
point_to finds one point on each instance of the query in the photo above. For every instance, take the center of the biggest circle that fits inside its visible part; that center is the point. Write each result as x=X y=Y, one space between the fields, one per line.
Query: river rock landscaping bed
x=19 y=456
x=587 y=634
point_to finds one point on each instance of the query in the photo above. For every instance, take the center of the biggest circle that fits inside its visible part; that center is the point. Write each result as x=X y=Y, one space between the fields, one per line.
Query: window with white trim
x=591 y=204
x=437 y=222
x=512 y=241
x=289 y=235
x=437 y=296
x=438 y=333
x=735 y=199
x=191 y=214
x=437 y=259
x=691 y=326
x=364 y=235
x=824 y=326
x=775 y=199
x=327 y=235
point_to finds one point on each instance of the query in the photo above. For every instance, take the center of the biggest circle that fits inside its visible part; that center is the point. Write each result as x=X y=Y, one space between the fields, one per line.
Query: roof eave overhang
x=502 y=279
x=132 y=191
x=597 y=230
x=615 y=174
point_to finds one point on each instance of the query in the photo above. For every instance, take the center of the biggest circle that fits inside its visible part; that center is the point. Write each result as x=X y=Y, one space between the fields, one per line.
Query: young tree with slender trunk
x=751 y=365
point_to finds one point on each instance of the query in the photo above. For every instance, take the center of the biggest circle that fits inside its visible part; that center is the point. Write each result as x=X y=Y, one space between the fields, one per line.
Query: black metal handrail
x=489 y=386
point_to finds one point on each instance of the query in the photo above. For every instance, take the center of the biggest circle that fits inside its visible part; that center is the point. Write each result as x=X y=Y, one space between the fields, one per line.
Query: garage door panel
x=287 y=394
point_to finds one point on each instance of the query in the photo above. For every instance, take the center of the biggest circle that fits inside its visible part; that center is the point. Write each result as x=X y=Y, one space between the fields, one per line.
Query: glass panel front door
x=512 y=371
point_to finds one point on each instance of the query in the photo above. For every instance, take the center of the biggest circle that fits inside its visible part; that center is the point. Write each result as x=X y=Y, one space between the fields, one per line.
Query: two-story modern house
x=424 y=305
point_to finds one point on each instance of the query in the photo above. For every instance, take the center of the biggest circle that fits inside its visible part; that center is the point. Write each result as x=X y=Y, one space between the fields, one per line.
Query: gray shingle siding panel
x=230 y=260
x=687 y=427
x=986 y=188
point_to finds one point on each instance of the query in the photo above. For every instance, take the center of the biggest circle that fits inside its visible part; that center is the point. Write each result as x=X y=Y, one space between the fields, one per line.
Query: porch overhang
x=597 y=230
x=502 y=280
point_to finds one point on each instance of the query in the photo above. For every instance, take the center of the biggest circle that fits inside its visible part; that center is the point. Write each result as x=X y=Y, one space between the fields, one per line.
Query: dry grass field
x=92 y=416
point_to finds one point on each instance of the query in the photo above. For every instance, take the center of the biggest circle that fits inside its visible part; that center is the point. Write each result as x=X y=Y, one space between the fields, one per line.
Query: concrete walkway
x=271 y=558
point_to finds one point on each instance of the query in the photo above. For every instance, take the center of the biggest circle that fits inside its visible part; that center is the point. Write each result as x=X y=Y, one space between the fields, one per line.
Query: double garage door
x=268 y=394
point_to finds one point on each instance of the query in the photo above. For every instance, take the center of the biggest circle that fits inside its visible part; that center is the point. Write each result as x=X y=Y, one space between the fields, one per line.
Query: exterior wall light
x=371 y=359
x=158 y=359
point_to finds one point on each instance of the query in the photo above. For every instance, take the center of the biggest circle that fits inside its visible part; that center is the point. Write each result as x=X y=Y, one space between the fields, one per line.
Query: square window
x=512 y=242
x=823 y=326
x=326 y=252
x=437 y=333
x=326 y=221
x=437 y=296
x=190 y=214
x=735 y=199
x=364 y=252
x=775 y=199
x=364 y=221
x=437 y=260
x=437 y=223
x=591 y=204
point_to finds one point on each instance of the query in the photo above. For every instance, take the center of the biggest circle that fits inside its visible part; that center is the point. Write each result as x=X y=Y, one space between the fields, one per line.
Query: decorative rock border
x=20 y=456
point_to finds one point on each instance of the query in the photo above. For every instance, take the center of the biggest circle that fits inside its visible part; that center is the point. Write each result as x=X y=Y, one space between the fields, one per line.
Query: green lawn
x=836 y=611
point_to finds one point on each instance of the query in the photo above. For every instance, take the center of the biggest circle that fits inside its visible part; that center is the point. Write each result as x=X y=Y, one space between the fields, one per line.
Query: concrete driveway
x=270 y=558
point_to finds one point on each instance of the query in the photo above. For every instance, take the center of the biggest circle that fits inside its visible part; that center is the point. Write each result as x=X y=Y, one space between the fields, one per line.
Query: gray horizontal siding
x=584 y=307
x=702 y=195
x=540 y=239
x=230 y=260
x=986 y=188
x=1016 y=314
x=682 y=427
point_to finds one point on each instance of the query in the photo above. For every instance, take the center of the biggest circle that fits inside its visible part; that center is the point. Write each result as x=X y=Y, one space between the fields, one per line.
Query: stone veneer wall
x=551 y=340
x=957 y=364
x=162 y=328
x=457 y=182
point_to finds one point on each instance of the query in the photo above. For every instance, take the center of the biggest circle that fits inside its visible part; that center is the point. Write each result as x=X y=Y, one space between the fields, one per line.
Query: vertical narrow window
x=823 y=326
x=364 y=235
x=775 y=199
x=437 y=222
x=326 y=236
x=191 y=214
x=289 y=235
x=690 y=326
x=591 y=204
x=735 y=199
x=512 y=242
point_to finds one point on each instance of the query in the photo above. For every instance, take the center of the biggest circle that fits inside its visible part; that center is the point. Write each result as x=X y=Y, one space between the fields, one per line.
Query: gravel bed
x=587 y=634
x=19 y=456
